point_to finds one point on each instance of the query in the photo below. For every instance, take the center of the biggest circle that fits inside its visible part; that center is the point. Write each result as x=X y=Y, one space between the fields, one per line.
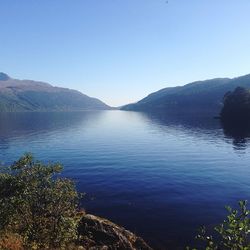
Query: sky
x=121 y=50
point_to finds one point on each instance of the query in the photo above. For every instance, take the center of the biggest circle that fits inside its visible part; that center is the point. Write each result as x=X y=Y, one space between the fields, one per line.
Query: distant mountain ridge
x=28 y=95
x=200 y=97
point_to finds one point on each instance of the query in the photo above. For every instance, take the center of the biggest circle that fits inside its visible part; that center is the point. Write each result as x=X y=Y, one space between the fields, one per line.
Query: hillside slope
x=201 y=97
x=27 y=95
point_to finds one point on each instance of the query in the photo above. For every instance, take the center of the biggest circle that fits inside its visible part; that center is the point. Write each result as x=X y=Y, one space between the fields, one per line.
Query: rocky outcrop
x=100 y=234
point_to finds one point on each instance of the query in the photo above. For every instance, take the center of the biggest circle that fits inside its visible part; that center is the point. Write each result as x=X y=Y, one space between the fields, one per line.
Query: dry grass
x=10 y=241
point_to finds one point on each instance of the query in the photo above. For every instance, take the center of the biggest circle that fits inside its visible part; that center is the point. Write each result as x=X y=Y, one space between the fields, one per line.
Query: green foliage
x=232 y=234
x=199 y=98
x=236 y=107
x=38 y=205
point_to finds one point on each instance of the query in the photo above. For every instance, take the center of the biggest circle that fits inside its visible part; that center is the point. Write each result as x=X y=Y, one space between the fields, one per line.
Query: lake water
x=160 y=177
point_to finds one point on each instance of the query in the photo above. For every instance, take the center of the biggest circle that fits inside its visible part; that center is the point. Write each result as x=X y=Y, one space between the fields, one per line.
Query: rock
x=100 y=234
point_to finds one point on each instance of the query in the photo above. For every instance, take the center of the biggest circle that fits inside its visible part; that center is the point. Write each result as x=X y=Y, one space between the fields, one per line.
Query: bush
x=232 y=234
x=37 y=205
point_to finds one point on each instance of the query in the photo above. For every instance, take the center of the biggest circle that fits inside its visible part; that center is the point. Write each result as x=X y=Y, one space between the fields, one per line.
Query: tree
x=37 y=205
x=236 y=107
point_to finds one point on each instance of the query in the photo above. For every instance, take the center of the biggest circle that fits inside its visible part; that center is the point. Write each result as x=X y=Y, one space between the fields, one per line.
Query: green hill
x=27 y=95
x=201 y=97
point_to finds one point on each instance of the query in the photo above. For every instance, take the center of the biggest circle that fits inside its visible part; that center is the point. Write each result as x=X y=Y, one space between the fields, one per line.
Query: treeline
x=236 y=106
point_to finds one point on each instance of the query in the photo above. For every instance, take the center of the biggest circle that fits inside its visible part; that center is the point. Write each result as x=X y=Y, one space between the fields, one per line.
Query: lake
x=160 y=177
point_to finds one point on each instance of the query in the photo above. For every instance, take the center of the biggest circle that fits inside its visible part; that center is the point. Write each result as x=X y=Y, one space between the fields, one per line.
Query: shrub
x=37 y=205
x=232 y=234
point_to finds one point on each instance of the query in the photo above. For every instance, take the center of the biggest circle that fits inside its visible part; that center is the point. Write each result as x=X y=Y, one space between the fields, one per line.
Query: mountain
x=201 y=97
x=28 y=95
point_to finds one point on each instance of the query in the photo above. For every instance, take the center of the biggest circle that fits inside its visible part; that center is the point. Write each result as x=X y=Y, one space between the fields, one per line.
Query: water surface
x=160 y=177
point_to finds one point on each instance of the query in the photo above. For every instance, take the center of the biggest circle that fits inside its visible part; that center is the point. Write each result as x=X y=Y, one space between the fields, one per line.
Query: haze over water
x=160 y=177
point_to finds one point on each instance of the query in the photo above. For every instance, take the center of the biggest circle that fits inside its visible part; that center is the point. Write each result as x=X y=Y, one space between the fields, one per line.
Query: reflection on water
x=29 y=123
x=205 y=127
x=159 y=176
x=198 y=125
x=14 y=125
x=240 y=134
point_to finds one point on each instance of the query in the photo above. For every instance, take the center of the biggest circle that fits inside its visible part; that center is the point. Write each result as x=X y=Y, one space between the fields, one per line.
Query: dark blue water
x=160 y=177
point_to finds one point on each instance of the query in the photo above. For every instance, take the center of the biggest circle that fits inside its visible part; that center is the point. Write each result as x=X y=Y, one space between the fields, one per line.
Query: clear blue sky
x=121 y=50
